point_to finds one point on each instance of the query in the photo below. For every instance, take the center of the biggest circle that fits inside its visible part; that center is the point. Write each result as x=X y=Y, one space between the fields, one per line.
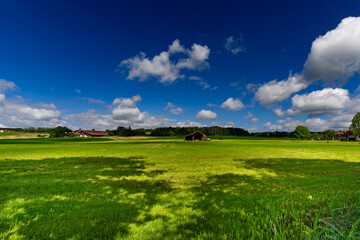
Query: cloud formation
x=13 y=114
x=234 y=45
x=127 y=102
x=275 y=91
x=334 y=57
x=206 y=115
x=6 y=86
x=173 y=109
x=316 y=103
x=232 y=104
x=166 y=66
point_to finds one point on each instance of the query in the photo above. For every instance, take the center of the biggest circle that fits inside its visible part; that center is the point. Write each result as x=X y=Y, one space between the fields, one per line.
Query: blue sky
x=258 y=65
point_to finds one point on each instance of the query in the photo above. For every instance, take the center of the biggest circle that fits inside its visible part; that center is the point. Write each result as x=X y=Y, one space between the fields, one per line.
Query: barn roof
x=94 y=133
x=194 y=133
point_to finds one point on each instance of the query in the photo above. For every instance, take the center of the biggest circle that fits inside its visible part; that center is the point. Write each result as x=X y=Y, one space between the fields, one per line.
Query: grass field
x=24 y=135
x=165 y=188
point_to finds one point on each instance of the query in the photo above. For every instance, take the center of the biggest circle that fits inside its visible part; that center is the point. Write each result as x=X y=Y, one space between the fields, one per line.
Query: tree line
x=178 y=131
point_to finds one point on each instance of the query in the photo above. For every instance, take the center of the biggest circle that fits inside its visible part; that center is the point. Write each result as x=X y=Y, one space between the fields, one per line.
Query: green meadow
x=166 y=188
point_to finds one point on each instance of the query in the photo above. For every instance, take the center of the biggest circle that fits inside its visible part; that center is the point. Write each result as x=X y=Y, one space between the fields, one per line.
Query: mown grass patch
x=165 y=188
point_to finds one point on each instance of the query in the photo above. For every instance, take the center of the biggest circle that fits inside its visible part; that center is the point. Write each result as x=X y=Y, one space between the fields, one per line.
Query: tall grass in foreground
x=343 y=223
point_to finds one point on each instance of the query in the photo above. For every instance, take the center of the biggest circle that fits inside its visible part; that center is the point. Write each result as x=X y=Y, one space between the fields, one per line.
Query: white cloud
x=230 y=124
x=165 y=69
x=175 y=47
x=211 y=105
x=78 y=91
x=252 y=88
x=206 y=115
x=93 y=100
x=197 y=59
x=45 y=105
x=316 y=103
x=336 y=55
x=333 y=57
x=131 y=114
x=22 y=115
x=234 y=45
x=127 y=102
x=270 y=126
x=249 y=115
x=195 y=78
x=6 y=85
x=254 y=120
x=201 y=82
x=188 y=123
x=176 y=111
x=173 y=109
x=253 y=129
x=169 y=106
x=275 y=91
x=278 y=112
x=336 y=122
x=232 y=104
x=2 y=99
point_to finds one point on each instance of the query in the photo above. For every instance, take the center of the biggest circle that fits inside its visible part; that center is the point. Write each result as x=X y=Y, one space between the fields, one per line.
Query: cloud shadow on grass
x=264 y=206
x=82 y=198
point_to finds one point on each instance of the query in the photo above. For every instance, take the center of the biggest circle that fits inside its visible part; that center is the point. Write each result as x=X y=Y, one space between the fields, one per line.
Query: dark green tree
x=355 y=125
x=302 y=132
x=329 y=134
x=60 y=132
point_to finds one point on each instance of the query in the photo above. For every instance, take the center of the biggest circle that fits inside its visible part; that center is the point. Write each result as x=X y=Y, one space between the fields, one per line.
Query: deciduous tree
x=355 y=125
x=302 y=132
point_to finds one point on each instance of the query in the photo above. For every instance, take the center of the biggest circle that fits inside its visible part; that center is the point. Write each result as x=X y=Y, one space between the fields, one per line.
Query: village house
x=346 y=136
x=90 y=133
x=196 y=136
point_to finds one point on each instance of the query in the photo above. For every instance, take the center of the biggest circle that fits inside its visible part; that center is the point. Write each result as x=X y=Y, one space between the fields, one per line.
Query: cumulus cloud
x=125 y=109
x=254 y=120
x=277 y=91
x=187 y=123
x=249 y=115
x=211 y=105
x=271 y=126
x=278 y=112
x=93 y=100
x=232 y=104
x=316 y=103
x=333 y=57
x=173 y=109
x=2 y=100
x=166 y=67
x=252 y=88
x=176 y=111
x=44 y=105
x=338 y=122
x=127 y=102
x=234 y=45
x=206 y=115
x=21 y=115
x=336 y=55
x=6 y=86
x=169 y=106
x=230 y=124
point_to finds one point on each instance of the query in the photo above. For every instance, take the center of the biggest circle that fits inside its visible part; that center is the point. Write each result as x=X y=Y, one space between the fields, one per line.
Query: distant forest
x=167 y=131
